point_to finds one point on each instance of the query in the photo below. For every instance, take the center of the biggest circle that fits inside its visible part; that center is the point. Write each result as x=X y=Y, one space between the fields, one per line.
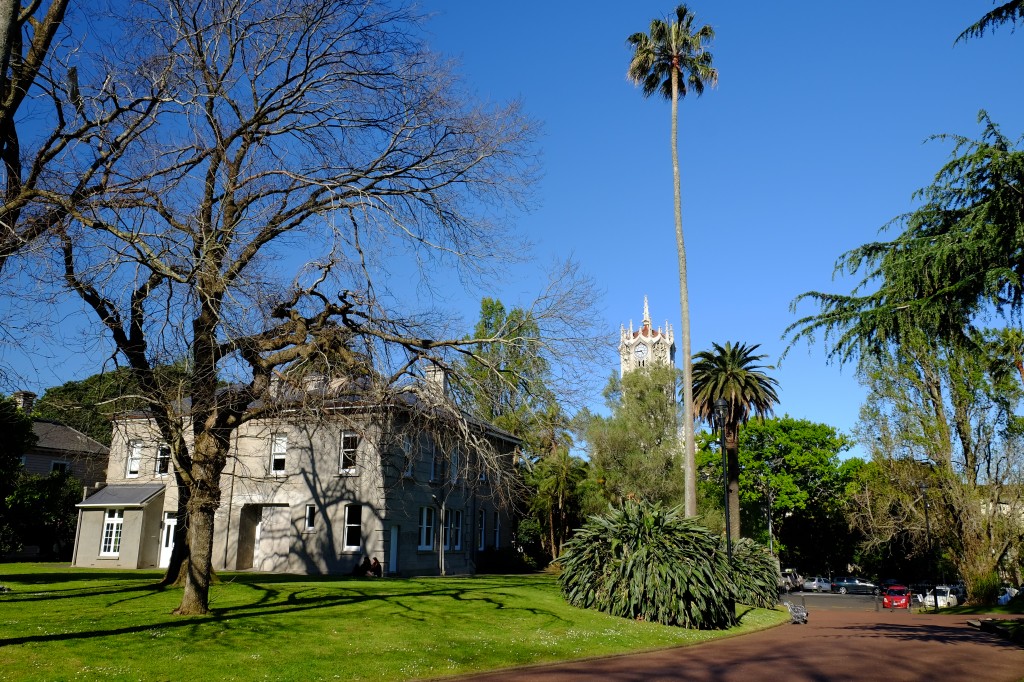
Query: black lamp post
x=721 y=414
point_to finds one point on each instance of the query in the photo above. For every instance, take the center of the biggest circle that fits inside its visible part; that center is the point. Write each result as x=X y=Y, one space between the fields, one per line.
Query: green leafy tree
x=1006 y=13
x=42 y=510
x=941 y=428
x=506 y=374
x=644 y=561
x=673 y=60
x=505 y=383
x=960 y=255
x=790 y=472
x=633 y=450
x=560 y=482
x=16 y=438
x=90 y=404
x=731 y=372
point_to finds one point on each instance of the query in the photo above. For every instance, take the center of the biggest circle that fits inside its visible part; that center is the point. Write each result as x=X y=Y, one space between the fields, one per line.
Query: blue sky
x=814 y=139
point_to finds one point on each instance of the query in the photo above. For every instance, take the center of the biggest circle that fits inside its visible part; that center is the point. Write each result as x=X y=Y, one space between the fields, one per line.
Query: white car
x=817 y=584
x=946 y=598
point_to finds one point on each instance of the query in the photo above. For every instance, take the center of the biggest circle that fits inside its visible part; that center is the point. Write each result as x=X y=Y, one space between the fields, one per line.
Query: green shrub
x=755 y=574
x=646 y=562
x=984 y=589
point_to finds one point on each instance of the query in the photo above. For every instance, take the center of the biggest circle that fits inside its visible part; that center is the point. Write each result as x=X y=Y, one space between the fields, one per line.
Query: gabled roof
x=56 y=436
x=122 y=495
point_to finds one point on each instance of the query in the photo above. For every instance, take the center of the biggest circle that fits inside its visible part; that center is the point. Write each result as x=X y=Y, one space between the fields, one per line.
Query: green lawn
x=58 y=623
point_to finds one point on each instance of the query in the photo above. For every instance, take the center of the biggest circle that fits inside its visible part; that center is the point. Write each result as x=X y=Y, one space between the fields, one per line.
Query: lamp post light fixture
x=721 y=414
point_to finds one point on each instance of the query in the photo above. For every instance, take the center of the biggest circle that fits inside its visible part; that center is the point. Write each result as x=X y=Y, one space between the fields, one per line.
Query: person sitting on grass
x=362 y=570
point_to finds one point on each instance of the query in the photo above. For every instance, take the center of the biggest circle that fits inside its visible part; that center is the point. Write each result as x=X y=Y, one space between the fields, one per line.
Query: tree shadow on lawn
x=78 y=592
x=73 y=576
x=293 y=603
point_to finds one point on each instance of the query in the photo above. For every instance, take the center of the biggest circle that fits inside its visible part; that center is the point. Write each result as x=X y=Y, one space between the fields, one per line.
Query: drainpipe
x=444 y=536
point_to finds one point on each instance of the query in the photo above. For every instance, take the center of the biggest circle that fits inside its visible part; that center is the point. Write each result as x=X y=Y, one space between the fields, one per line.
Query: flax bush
x=755 y=573
x=645 y=562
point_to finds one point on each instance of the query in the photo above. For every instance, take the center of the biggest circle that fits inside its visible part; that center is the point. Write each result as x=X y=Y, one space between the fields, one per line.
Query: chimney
x=437 y=379
x=25 y=400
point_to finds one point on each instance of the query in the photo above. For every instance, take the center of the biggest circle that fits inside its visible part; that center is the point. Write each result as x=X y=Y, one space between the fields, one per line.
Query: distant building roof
x=126 y=495
x=57 y=436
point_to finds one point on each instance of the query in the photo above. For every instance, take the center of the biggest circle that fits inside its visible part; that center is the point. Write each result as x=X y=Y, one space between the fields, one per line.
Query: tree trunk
x=732 y=451
x=175 y=574
x=210 y=455
x=195 y=599
x=689 y=461
x=551 y=531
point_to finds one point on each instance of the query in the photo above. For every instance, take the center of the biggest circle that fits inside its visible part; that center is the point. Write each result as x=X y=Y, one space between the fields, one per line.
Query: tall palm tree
x=731 y=372
x=673 y=60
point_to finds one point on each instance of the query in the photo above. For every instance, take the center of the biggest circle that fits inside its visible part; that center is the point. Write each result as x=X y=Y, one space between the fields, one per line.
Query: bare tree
x=60 y=132
x=307 y=153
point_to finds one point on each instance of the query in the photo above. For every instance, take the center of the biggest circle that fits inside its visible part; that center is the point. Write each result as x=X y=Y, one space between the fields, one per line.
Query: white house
x=311 y=492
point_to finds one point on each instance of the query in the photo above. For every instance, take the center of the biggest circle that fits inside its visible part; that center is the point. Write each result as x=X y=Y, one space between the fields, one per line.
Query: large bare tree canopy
x=302 y=157
x=65 y=119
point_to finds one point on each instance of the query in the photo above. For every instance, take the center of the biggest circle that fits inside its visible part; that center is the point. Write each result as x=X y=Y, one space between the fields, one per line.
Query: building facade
x=308 y=495
x=60 y=448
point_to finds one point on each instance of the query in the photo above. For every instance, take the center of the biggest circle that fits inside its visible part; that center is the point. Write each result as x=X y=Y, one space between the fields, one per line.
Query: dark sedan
x=853 y=585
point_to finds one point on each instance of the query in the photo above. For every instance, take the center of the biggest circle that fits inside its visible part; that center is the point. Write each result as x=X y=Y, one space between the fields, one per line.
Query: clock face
x=640 y=352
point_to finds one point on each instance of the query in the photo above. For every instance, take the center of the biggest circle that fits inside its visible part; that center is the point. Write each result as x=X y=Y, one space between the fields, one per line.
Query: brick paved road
x=836 y=645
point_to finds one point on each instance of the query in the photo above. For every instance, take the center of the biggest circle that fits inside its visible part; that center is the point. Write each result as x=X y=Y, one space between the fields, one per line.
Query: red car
x=896 y=597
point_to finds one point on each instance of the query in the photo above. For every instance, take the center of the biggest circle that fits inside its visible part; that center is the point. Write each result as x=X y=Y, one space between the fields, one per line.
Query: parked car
x=817 y=584
x=791 y=580
x=890 y=582
x=854 y=585
x=896 y=597
x=946 y=598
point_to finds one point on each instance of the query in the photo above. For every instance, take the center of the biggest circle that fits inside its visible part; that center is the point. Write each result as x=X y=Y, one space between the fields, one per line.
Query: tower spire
x=647 y=315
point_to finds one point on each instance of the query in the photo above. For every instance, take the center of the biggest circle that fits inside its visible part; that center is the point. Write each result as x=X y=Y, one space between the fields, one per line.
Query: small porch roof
x=130 y=495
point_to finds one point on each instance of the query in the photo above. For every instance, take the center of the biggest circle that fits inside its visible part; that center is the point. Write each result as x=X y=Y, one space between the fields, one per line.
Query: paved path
x=837 y=646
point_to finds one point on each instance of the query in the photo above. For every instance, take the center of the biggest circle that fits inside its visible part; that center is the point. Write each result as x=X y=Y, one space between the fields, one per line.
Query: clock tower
x=646 y=346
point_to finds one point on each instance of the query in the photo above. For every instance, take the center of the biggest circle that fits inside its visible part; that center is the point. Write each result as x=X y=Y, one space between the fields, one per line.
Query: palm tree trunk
x=732 y=451
x=689 y=463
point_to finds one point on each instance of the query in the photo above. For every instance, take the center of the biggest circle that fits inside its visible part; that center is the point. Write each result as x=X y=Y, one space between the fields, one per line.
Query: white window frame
x=162 y=458
x=481 y=531
x=134 y=463
x=426 y=529
x=357 y=525
x=452 y=529
x=497 y=530
x=110 y=538
x=352 y=452
x=65 y=466
x=310 y=518
x=278 y=453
